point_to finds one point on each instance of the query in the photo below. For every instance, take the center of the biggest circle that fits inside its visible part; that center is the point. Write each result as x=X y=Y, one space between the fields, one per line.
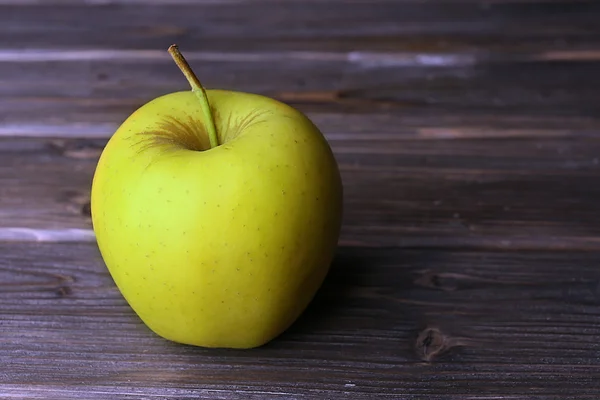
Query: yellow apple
x=217 y=214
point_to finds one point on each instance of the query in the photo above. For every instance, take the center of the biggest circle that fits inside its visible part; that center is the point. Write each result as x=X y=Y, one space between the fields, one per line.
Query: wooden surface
x=468 y=136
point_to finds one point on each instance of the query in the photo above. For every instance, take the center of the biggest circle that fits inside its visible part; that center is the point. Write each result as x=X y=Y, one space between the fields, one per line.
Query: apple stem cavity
x=198 y=89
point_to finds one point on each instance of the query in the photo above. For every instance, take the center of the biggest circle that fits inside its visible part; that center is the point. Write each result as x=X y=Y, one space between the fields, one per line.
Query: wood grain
x=389 y=323
x=81 y=118
x=245 y=24
x=468 y=136
x=101 y=94
x=375 y=60
x=518 y=193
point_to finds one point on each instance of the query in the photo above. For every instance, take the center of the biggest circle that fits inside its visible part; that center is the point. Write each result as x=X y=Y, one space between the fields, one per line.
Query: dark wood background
x=468 y=135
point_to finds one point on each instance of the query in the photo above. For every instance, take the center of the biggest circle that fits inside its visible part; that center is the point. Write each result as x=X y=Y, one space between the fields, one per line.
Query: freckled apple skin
x=221 y=247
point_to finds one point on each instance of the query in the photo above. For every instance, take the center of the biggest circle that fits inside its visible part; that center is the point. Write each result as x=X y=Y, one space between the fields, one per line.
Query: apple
x=217 y=214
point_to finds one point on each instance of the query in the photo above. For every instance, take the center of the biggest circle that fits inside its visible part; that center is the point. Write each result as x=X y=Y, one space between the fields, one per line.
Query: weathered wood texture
x=468 y=135
x=98 y=62
x=502 y=193
x=266 y=25
x=91 y=98
x=388 y=323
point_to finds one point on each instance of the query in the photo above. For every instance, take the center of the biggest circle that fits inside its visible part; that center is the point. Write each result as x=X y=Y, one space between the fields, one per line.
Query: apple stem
x=198 y=89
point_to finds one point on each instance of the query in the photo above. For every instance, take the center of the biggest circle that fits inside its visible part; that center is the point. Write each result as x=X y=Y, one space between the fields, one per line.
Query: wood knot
x=64 y=291
x=77 y=203
x=86 y=209
x=432 y=343
x=439 y=281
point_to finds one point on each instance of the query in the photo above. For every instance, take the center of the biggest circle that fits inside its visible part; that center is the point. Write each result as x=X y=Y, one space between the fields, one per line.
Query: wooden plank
x=517 y=193
x=339 y=94
x=389 y=323
x=418 y=78
x=84 y=119
x=245 y=25
x=392 y=60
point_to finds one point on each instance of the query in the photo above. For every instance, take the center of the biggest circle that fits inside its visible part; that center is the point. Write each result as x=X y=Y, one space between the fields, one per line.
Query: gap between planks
x=494 y=243
x=359 y=58
x=20 y=234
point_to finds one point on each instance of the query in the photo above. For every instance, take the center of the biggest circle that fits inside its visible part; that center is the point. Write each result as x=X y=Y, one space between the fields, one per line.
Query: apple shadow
x=345 y=277
x=388 y=294
x=359 y=281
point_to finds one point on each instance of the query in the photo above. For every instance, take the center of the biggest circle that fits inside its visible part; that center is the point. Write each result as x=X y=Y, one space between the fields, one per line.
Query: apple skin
x=221 y=247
